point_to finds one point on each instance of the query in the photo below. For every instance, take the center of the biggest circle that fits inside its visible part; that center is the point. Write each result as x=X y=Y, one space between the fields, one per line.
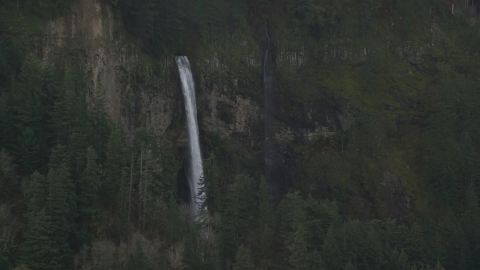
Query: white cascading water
x=196 y=168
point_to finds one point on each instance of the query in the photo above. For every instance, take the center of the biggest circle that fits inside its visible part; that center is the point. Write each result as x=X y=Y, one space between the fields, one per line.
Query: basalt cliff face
x=312 y=132
x=140 y=90
x=115 y=69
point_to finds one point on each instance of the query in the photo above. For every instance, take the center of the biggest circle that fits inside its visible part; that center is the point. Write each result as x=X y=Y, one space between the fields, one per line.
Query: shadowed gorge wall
x=334 y=134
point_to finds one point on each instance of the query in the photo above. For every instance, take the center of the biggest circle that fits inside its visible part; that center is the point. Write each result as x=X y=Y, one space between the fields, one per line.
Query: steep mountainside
x=319 y=121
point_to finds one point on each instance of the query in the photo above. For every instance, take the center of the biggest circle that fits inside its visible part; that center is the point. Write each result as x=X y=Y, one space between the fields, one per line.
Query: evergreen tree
x=59 y=211
x=239 y=210
x=29 y=156
x=37 y=192
x=170 y=21
x=353 y=240
x=113 y=166
x=472 y=210
x=350 y=266
x=5 y=127
x=210 y=18
x=263 y=234
x=27 y=115
x=61 y=205
x=8 y=177
x=298 y=247
x=209 y=191
x=459 y=250
x=68 y=110
x=137 y=260
x=170 y=166
x=423 y=247
x=88 y=186
x=332 y=252
x=471 y=112
x=398 y=260
x=122 y=209
x=4 y=264
x=101 y=129
x=373 y=257
x=243 y=259
x=38 y=250
x=468 y=168
x=4 y=70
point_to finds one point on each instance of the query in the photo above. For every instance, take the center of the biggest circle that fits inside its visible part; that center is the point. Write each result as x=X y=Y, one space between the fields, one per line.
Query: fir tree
x=113 y=166
x=209 y=191
x=332 y=252
x=4 y=264
x=398 y=260
x=262 y=236
x=60 y=205
x=29 y=151
x=298 y=247
x=350 y=266
x=88 y=186
x=243 y=259
x=238 y=212
x=373 y=257
x=58 y=209
x=137 y=260
x=472 y=210
x=37 y=192
x=4 y=70
x=5 y=127
x=38 y=250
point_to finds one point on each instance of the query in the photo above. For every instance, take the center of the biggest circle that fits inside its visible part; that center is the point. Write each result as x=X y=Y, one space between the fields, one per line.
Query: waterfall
x=196 y=169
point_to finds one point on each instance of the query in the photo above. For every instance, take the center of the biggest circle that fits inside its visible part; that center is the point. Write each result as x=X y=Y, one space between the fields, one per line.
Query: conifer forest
x=239 y=134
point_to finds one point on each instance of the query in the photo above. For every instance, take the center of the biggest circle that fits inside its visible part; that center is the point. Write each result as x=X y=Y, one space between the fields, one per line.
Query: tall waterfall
x=196 y=169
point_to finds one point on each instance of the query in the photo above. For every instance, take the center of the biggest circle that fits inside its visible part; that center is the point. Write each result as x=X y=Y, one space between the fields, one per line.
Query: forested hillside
x=367 y=156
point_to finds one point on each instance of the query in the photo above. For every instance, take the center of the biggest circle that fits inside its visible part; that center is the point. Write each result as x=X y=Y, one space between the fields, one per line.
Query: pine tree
x=350 y=266
x=65 y=107
x=238 y=212
x=470 y=158
x=170 y=166
x=209 y=191
x=28 y=151
x=100 y=128
x=9 y=192
x=472 y=210
x=88 y=186
x=262 y=236
x=37 y=192
x=137 y=260
x=5 y=126
x=298 y=247
x=398 y=260
x=60 y=205
x=4 y=70
x=38 y=249
x=471 y=112
x=243 y=259
x=373 y=257
x=28 y=113
x=460 y=251
x=353 y=240
x=58 y=209
x=122 y=209
x=113 y=167
x=4 y=264
x=292 y=206
x=332 y=252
